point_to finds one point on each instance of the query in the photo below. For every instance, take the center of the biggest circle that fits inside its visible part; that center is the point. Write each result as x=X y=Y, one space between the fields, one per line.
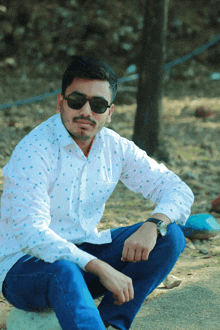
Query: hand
x=114 y=281
x=139 y=245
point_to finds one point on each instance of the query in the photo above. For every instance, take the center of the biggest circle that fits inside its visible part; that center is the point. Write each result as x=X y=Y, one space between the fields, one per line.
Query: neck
x=85 y=146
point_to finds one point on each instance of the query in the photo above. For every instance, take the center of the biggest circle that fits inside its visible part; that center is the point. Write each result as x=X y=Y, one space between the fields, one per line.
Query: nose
x=86 y=110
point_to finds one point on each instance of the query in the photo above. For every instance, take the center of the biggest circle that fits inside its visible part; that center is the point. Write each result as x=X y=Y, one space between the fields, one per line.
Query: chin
x=81 y=136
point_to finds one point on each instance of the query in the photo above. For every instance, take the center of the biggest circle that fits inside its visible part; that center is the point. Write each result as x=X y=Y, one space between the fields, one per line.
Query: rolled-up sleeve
x=144 y=175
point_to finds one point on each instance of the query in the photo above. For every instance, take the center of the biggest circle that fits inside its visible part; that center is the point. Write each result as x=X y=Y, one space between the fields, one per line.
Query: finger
x=119 y=299
x=116 y=302
x=125 y=253
x=138 y=254
x=126 y=295
x=131 y=292
x=128 y=253
x=116 y=299
x=145 y=255
x=131 y=254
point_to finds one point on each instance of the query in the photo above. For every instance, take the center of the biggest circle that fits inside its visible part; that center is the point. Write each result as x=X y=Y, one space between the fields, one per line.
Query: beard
x=77 y=132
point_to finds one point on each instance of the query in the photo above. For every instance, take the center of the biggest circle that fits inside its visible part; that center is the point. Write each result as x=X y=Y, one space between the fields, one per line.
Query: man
x=56 y=185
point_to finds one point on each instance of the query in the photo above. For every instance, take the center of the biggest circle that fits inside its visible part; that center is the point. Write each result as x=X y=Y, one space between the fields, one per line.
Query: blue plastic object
x=201 y=226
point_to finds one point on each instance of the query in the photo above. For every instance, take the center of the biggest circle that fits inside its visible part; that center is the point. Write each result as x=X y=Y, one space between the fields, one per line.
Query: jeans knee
x=64 y=270
x=175 y=238
x=65 y=276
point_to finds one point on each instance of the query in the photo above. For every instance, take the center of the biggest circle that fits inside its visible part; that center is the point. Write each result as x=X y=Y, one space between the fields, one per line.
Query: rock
x=189 y=244
x=216 y=205
x=11 y=62
x=3 y=9
x=171 y=281
x=74 y=4
x=21 y=320
x=19 y=33
x=7 y=27
x=204 y=250
x=196 y=242
x=202 y=112
x=191 y=175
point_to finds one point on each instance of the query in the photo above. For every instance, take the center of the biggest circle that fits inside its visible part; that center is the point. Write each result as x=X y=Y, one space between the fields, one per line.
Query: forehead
x=90 y=88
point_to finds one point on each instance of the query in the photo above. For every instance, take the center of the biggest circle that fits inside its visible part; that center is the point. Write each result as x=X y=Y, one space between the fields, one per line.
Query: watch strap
x=154 y=220
x=158 y=222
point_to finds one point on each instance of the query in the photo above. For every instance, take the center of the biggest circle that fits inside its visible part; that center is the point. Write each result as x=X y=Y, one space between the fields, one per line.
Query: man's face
x=83 y=124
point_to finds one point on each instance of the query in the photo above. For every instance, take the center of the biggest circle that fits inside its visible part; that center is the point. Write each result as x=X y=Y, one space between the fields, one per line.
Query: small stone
x=189 y=244
x=196 y=242
x=204 y=251
x=74 y=4
x=19 y=33
x=10 y=62
x=3 y=9
x=7 y=27
x=202 y=111
x=171 y=281
x=191 y=175
x=216 y=205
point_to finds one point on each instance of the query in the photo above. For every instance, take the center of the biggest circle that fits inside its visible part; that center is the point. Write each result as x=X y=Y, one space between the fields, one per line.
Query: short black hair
x=89 y=68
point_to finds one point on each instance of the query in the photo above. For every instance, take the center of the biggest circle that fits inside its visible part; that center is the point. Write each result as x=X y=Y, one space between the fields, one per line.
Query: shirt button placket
x=82 y=196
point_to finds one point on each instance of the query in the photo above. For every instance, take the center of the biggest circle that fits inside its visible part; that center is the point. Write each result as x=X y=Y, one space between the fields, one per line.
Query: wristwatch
x=161 y=226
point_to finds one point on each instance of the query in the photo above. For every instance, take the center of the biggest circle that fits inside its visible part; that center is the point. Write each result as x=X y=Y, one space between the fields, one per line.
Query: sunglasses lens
x=76 y=102
x=98 y=105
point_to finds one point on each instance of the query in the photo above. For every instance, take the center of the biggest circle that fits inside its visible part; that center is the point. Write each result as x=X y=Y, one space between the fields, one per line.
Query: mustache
x=84 y=118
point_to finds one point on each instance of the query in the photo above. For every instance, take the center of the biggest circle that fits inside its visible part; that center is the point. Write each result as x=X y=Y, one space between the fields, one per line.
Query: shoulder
x=42 y=136
x=114 y=143
x=112 y=137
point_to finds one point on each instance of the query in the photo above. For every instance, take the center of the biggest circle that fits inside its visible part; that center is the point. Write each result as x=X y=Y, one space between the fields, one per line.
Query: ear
x=59 y=102
x=110 y=112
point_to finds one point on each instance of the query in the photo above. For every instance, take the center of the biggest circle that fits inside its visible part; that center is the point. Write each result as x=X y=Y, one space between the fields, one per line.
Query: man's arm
x=114 y=281
x=26 y=187
x=139 y=245
x=142 y=174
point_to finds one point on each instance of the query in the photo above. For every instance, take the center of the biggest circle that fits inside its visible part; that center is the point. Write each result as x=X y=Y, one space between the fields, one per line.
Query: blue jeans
x=35 y=285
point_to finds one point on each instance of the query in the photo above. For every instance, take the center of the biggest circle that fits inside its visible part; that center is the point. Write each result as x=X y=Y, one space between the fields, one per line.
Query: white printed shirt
x=54 y=197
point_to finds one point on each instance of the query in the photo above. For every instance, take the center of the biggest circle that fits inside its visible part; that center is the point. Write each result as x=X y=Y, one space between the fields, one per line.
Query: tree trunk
x=150 y=85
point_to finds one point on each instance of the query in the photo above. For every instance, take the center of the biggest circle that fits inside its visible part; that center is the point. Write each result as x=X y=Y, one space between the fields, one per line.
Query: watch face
x=163 y=229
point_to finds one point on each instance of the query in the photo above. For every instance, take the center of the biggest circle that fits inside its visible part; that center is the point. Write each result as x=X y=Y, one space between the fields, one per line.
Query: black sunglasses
x=76 y=101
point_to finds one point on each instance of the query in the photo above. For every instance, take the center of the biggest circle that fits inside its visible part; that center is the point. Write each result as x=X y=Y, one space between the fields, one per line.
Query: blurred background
x=42 y=35
x=37 y=41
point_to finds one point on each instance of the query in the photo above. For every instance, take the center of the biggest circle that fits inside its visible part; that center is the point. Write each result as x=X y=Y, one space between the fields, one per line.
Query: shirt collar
x=99 y=141
x=62 y=134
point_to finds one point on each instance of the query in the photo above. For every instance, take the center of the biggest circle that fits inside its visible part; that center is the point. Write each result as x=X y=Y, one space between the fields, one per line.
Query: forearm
x=96 y=267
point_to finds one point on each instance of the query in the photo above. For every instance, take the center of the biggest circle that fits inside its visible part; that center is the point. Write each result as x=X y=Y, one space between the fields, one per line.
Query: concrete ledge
x=21 y=320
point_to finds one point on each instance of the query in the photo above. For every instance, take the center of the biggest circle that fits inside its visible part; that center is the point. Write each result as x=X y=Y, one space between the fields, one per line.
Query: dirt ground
x=192 y=143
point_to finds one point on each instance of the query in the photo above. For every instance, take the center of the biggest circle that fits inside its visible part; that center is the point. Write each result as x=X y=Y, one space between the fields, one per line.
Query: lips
x=84 y=120
x=84 y=124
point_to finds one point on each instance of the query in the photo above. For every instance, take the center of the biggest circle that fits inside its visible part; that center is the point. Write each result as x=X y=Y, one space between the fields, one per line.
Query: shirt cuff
x=82 y=259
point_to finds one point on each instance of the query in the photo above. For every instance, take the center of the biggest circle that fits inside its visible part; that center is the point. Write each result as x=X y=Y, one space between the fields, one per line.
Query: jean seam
x=64 y=296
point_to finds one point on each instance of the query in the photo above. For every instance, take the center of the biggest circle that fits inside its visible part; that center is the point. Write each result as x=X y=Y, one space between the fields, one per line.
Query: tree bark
x=150 y=85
